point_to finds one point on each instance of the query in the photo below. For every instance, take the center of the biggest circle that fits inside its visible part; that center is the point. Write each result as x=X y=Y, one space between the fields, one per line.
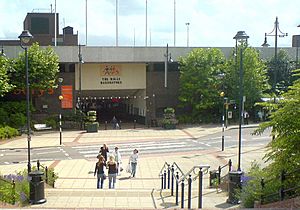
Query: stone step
x=120 y=192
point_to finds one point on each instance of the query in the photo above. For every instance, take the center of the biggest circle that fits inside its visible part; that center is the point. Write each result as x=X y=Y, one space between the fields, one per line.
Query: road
x=165 y=146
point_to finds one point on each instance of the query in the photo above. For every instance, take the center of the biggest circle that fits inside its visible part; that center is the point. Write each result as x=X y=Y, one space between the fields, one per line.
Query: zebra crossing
x=149 y=147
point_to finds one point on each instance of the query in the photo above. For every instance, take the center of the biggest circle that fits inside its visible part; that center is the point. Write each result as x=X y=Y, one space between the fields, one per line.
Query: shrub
x=20 y=194
x=51 y=122
x=7 y=132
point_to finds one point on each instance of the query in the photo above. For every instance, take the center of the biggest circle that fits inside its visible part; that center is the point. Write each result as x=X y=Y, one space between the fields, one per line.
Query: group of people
x=112 y=162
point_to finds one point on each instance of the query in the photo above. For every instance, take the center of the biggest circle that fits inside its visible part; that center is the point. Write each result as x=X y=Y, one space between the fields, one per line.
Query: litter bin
x=234 y=184
x=214 y=174
x=36 y=187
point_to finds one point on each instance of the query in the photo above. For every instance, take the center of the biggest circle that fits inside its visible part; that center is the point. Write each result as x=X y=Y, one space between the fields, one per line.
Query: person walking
x=99 y=170
x=103 y=151
x=114 y=122
x=118 y=159
x=112 y=172
x=133 y=159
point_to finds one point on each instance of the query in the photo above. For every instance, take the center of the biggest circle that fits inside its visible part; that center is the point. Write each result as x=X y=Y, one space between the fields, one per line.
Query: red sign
x=67 y=93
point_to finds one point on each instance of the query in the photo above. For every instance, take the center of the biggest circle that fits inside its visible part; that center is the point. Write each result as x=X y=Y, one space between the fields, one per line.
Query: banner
x=67 y=93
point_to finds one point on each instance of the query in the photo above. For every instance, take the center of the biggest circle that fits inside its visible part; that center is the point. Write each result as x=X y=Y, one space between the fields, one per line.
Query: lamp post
x=278 y=33
x=242 y=38
x=80 y=62
x=222 y=94
x=60 y=97
x=167 y=60
x=187 y=34
x=25 y=37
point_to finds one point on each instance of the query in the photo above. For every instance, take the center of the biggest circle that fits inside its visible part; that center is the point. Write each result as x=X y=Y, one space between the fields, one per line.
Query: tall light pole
x=60 y=97
x=187 y=34
x=80 y=62
x=25 y=38
x=146 y=32
x=167 y=60
x=174 y=23
x=241 y=37
x=278 y=33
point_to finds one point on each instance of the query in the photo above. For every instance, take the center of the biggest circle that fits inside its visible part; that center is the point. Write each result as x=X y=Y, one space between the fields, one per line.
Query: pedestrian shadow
x=124 y=178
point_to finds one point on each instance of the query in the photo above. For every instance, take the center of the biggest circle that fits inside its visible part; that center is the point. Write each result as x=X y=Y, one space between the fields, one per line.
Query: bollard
x=38 y=164
x=182 y=193
x=169 y=173
x=281 y=191
x=219 y=175
x=172 y=180
x=13 y=192
x=120 y=124
x=46 y=174
x=134 y=124
x=165 y=179
x=190 y=191
x=176 y=190
x=262 y=183
x=105 y=126
x=229 y=165
x=162 y=181
x=200 y=189
x=53 y=179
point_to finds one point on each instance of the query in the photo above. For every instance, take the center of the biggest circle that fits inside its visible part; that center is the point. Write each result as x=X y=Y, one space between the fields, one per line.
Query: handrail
x=186 y=175
x=164 y=167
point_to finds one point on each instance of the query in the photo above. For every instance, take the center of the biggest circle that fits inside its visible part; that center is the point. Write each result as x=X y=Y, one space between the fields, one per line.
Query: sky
x=212 y=23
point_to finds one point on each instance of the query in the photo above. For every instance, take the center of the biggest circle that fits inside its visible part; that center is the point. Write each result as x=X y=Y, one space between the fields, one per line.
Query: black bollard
x=120 y=124
x=219 y=175
x=38 y=164
x=165 y=179
x=172 y=180
x=281 y=191
x=262 y=183
x=169 y=173
x=200 y=189
x=134 y=124
x=229 y=165
x=105 y=125
x=162 y=181
x=46 y=174
x=182 y=193
x=190 y=191
x=176 y=190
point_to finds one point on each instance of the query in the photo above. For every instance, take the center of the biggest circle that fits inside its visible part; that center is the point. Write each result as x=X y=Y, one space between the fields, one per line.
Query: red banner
x=67 y=93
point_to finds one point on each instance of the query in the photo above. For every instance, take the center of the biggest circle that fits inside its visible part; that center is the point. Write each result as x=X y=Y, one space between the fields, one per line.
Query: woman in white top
x=133 y=161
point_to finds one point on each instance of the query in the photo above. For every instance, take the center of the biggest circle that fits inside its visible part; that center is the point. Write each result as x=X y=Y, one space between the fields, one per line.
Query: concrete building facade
x=128 y=82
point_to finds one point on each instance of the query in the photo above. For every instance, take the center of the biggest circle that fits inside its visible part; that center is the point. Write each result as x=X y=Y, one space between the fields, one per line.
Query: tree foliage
x=255 y=77
x=5 y=85
x=199 y=82
x=284 y=150
x=43 y=68
x=280 y=72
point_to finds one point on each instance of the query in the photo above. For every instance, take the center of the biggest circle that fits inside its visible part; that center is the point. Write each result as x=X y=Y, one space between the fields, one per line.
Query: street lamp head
x=241 y=37
x=265 y=44
x=60 y=80
x=222 y=94
x=60 y=97
x=25 y=37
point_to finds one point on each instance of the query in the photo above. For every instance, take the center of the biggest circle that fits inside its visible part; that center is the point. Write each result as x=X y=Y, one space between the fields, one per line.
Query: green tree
x=43 y=68
x=280 y=72
x=255 y=78
x=284 y=149
x=5 y=85
x=199 y=83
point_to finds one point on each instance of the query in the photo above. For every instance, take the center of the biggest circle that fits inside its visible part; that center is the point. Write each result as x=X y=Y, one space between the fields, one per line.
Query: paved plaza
x=76 y=185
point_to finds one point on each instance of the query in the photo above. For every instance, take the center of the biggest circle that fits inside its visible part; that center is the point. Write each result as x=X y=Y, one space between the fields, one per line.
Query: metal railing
x=47 y=173
x=285 y=190
x=170 y=176
x=217 y=174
